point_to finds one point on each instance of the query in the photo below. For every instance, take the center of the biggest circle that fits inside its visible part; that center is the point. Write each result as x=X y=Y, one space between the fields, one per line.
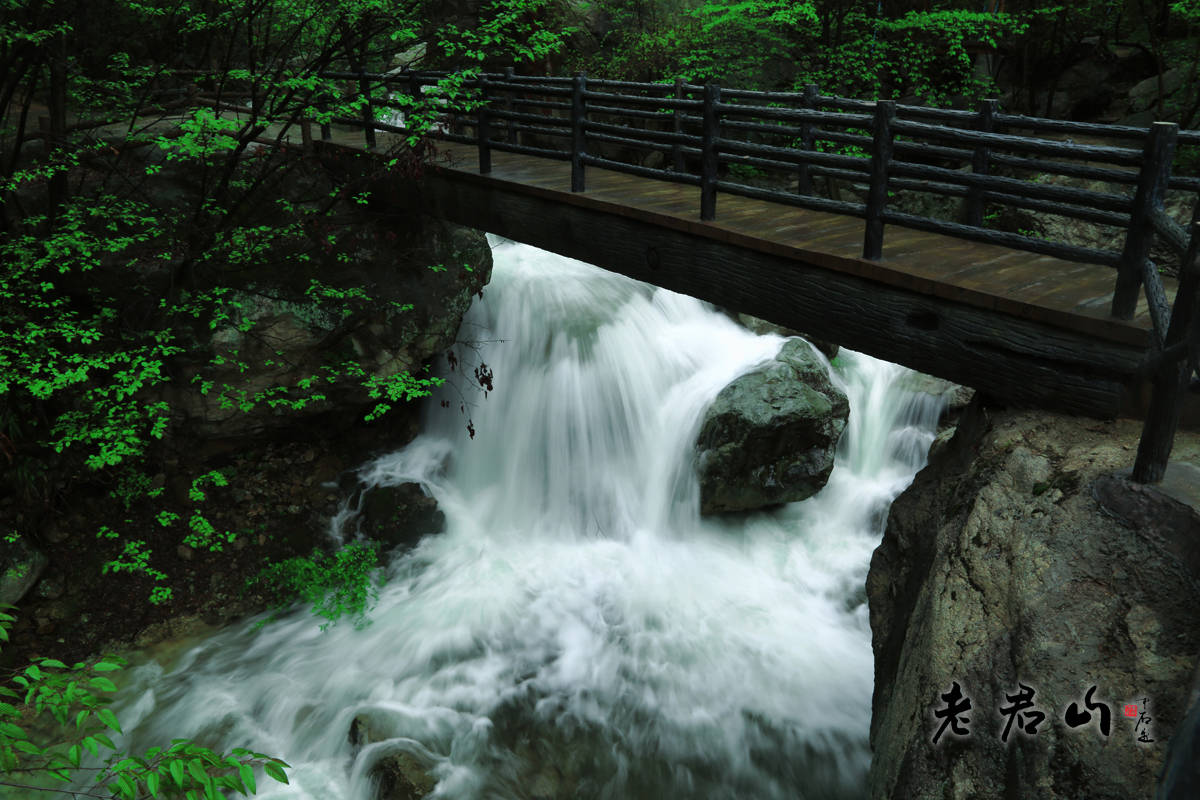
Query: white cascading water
x=579 y=631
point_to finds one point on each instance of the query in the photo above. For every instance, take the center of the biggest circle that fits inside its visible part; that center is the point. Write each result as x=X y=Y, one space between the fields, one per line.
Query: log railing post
x=368 y=113
x=677 y=128
x=510 y=131
x=483 y=128
x=708 y=152
x=578 y=134
x=1152 y=184
x=306 y=140
x=326 y=128
x=979 y=163
x=414 y=91
x=881 y=157
x=1174 y=371
x=804 y=176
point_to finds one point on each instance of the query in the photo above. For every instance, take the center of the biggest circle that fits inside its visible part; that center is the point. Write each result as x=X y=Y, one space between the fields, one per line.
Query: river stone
x=21 y=564
x=769 y=437
x=398 y=776
x=1000 y=567
x=763 y=327
x=399 y=515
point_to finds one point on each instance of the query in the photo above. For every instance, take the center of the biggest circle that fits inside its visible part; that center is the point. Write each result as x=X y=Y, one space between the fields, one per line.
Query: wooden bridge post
x=578 y=134
x=881 y=157
x=677 y=128
x=510 y=131
x=306 y=140
x=1174 y=371
x=708 y=153
x=804 y=176
x=414 y=90
x=979 y=163
x=326 y=128
x=368 y=114
x=483 y=129
x=1152 y=183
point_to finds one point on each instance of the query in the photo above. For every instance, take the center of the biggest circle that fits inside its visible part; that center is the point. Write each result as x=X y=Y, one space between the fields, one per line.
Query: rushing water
x=579 y=630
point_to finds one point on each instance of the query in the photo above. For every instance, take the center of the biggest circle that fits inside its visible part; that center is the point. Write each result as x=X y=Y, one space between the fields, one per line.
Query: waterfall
x=579 y=631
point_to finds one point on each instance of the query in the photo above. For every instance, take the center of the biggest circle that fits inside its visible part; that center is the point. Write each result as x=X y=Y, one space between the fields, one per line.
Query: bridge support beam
x=1172 y=376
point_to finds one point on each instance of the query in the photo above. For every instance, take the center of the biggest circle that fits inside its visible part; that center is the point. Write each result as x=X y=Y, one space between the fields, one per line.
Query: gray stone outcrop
x=769 y=436
x=1017 y=558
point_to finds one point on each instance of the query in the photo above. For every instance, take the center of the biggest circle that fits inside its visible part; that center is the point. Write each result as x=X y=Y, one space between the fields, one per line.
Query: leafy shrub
x=334 y=584
x=52 y=717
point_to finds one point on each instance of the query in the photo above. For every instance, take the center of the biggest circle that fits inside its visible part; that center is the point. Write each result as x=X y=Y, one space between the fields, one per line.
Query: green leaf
x=28 y=747
x=153 y=780
x=127 y=786
x=80 y=717
x=247 y=773
x=12 y=731
x=103 y=683
x=90 y=744
x=196 y=768
x=105 y=666
x=73 y=754
x=108 y=718
x=177 y=773
x=274 y=770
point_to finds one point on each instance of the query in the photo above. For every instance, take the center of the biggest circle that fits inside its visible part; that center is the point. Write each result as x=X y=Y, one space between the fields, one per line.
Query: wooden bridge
x=557 y=163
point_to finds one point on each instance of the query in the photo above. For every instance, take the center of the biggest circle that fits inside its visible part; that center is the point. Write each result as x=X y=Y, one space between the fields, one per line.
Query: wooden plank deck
x=1044 y=289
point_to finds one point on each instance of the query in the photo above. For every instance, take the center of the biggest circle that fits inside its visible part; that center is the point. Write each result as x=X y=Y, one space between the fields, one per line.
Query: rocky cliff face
x=1016 y=567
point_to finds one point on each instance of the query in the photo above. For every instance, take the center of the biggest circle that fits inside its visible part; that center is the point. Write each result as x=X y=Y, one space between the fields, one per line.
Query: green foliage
x=55 y=725
x=521 y=31
x=116 y=295
x=1188 y=10
x=334 y=584
x=845 y=48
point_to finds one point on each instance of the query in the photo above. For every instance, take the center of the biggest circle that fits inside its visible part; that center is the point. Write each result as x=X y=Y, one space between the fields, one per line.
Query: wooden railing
x=883 y=145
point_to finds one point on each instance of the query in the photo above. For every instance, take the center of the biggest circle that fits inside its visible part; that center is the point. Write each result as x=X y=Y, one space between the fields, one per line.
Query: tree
x=113 y=279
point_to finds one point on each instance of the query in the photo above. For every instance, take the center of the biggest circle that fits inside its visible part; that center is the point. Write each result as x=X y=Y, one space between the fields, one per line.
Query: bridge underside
x=1014 y=360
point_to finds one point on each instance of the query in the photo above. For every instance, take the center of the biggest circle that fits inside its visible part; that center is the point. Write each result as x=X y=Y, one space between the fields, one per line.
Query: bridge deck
x=1064 y=294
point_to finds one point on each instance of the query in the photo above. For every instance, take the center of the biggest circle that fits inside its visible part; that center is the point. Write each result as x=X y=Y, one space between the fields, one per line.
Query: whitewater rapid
x=579 y=631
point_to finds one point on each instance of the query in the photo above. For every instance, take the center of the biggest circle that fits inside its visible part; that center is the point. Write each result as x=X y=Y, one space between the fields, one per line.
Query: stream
x=579 y=630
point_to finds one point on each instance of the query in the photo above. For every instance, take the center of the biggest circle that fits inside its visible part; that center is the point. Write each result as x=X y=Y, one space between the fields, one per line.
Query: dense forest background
x=136 y=223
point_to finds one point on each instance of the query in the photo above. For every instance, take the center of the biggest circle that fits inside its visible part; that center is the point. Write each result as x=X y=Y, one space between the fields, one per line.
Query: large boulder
x=397 y=775
x=769 y=437
x=21 y=564
x=398 y=515
x=421 y=276
x=1021 y=558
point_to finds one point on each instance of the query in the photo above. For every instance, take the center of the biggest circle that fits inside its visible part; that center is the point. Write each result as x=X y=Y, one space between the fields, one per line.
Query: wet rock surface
x=769 y=437
x=397 y=775
x=398 y=515
x=21 y=565
x=1017 y=558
